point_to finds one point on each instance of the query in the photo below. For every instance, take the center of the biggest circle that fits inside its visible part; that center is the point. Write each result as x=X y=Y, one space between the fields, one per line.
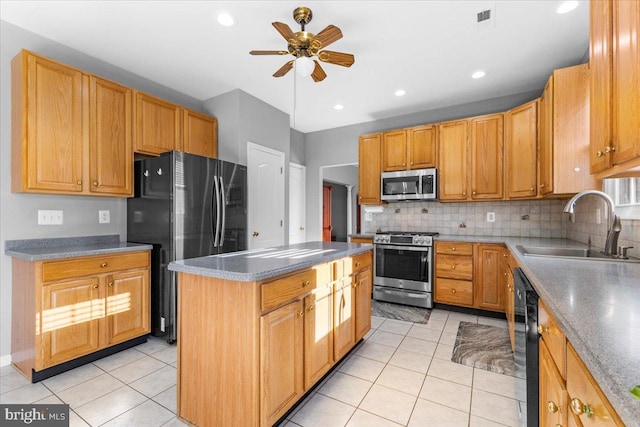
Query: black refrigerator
x=186 y=206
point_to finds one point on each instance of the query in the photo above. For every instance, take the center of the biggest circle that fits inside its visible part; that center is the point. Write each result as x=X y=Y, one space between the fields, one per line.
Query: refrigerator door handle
x=216 y=242
x=224 y=211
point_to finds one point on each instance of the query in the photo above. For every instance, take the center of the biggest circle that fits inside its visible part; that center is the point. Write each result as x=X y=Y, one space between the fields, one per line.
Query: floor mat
x=486 y=347
x=400 y=312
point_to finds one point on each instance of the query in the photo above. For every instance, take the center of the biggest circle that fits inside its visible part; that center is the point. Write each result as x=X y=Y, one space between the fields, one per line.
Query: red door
x=326 y=213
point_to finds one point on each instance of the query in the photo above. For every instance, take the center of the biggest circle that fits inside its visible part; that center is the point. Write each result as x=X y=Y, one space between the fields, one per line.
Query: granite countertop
x=597 y=305
x=260 y=264
x=69 y=247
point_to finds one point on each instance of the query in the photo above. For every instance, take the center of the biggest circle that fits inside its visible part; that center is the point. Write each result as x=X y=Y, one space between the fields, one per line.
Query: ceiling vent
x=486 y=19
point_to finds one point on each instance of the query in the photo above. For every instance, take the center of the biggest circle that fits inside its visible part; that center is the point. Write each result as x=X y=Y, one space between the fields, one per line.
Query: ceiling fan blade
x=318 y=74
x=327 y=36
x=284 y=69
x=338 y=58
x=268 y=52
x=285 y=31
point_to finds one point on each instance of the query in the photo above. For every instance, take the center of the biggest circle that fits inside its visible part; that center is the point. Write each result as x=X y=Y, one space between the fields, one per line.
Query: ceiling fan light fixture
x=478 y=74
x=227 y=20
x=567 y=6
x=304 y=66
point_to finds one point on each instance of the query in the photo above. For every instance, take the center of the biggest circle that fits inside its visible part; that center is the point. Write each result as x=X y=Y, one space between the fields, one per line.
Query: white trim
x=5 y=360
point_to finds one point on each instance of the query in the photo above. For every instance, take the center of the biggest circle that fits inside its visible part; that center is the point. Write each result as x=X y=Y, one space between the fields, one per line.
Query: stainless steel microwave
x=420 y=184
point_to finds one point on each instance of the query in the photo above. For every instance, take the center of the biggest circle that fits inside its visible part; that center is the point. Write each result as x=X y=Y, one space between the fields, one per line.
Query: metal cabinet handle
x=357 y=264
x=453 y=248
x=301 y=313
x=579 y=408
x=453 y=291
x=79 y=182
x=552 y=407
x=310 y=308
x=453 y=266
x=110 y=284
x=610 y=149
x=306 y=283
x=599 y=154
x=103 y=265
x=95 y=286
x=95 y=183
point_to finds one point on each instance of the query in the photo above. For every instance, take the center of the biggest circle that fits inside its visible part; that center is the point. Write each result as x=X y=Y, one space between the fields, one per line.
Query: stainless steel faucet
x=611 y=244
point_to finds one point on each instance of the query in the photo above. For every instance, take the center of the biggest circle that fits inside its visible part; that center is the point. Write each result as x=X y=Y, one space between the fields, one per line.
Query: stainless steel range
x=404 y=267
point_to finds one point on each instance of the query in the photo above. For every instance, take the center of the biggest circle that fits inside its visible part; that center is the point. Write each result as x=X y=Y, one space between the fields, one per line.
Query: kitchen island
x=258 y=329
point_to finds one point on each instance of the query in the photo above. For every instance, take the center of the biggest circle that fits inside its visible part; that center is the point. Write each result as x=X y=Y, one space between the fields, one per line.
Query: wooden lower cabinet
x=282 y=358
x=553 y=394
x=368 y=240
x=488 y=277
x=285 y=335
x=69 y=308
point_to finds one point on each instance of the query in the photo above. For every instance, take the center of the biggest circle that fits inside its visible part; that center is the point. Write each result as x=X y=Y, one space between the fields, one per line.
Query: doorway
x=327 y=228
x=344 y=182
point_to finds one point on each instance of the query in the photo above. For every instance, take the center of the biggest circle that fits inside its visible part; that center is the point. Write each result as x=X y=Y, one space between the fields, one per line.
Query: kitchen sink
x=572 y=253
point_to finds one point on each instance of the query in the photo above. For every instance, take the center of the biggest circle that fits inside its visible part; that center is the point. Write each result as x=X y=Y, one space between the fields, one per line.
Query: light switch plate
x=49 y=217
x=104 y=217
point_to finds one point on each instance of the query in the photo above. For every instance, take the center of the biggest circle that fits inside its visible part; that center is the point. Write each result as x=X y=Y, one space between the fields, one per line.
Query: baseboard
x=5 y=360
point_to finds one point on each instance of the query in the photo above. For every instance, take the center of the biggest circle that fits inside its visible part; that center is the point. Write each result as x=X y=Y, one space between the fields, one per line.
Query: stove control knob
x=421 y=240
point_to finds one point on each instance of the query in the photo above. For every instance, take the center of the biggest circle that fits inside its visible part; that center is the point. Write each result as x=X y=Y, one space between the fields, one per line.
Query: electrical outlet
x=49 y=217
x=104 y=217
x=491 y=217
x=368 y=216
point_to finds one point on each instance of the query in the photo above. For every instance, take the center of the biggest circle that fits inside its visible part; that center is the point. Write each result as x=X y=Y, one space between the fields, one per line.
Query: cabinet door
x=127 y=305
x=510 y=306
x=626 y=80
x=521 y=151
x=69 y=319
x=487 y=157
x=281 y=361
x=369 y=168
x=362 y=292
x=546 y=138
x=199 y=134
x=157 y=125
x=54 y=152
x=343 y=319
x=421 y=146
x=318 y=335
x=600 y=38
x=453 y=155
x=553 y=395
x=110 y=133
x=394 y=150
x=489 y=294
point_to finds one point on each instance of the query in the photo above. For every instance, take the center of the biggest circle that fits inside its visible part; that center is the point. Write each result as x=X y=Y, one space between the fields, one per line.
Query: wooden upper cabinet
x=487 y=157
x=422 y=146
x=199 y=134
x=564 y=134
x=614 y=61
x=453 y=142
x=369 y=168
x=394 y=150
x=110 y=130
x=157 y=125
x=521 y=148
x=46 y=126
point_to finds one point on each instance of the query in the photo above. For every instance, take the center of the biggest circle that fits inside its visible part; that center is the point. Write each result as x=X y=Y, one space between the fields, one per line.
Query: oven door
x=403 y=267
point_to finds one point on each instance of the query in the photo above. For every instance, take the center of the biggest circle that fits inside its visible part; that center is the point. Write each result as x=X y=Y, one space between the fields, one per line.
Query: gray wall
x=297 y=147
x=19 y=212
x=339 y=146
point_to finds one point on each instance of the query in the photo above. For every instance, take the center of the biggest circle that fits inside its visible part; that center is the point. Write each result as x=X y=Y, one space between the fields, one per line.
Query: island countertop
x=260 y=264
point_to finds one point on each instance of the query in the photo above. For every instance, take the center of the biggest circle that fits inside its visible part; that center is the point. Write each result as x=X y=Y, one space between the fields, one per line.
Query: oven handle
x=405 y=248
x=401 y=293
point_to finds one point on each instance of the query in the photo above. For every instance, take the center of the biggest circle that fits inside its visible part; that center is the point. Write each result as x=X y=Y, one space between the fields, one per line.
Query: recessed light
x=227 y=20
x=567 y=6
x=400 y=92
x=338 y=107
x=478 y=74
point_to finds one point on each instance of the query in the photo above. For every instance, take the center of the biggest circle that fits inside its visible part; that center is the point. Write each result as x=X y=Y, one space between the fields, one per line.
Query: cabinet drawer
x=454 y=248
x=553 y=337
x=285 y=289
x=585 y=395
x=362 y=261
x=99 y=264
x=454 y=267
x=454 y=291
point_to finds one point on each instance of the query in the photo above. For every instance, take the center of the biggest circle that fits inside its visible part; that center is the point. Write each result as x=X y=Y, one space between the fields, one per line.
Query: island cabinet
x=521 y=151
x=369 y=168
x=70 y=308
x=568 y=393
x=248 y=351
x=614 y=60
x=71 y=132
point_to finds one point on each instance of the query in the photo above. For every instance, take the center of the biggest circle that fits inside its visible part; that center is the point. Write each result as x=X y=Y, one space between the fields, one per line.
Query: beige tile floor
x=400 y=375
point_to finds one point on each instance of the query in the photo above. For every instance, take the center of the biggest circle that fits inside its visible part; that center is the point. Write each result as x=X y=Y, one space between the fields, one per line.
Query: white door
x=297 y=193
x=265 y=177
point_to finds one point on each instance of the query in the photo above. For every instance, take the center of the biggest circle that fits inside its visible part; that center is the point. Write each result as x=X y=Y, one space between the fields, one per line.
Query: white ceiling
x=428 y=48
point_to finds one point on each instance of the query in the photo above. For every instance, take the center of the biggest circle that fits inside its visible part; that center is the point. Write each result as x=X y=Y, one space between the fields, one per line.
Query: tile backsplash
x=530 y=218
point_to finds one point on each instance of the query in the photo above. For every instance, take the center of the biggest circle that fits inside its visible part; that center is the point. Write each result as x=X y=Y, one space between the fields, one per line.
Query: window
x=625 y=193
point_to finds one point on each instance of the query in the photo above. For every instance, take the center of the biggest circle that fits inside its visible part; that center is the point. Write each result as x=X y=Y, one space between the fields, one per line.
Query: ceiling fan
x=304 y=46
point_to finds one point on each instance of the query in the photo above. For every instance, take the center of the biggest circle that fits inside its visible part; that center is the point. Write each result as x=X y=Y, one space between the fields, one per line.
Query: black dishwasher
x=526 y=348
